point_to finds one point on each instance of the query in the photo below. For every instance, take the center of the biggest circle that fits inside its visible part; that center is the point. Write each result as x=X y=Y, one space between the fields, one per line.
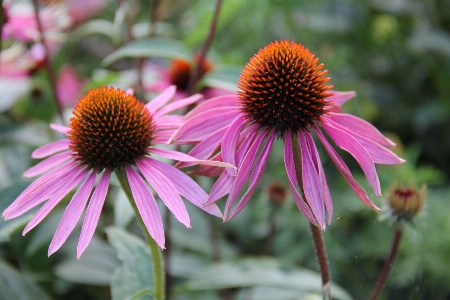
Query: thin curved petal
x=93 y=213
x=146 y=204
x=312 y=186
x=243 y=173
x=176 y=105
x=72 y=214
x=184 y=185
x=222 y=186
x=292 y=178
x=341 y=97
x=261 y=163
x=60 y=128
x=361 y=127
x=62 y=191
x=228 y=101
x=166 y=191
x=230 y=140
x=179 y=156
x=161 y=99
x=51 y=148
x=47 y=164
x=348 y=143
x=344 y=170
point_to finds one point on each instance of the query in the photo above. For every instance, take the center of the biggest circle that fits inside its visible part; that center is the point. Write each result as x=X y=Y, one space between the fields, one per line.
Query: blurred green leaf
x=136 y=273
x=223 y=77
x=14 y=286
x=251 y=272
x=153 y=47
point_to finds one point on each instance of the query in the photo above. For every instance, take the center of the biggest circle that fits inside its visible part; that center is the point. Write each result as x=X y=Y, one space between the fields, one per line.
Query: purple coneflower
x=283 y=93
x=111 y=130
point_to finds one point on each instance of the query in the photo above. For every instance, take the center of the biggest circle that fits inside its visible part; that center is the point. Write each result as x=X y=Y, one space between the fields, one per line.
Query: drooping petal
x=146 y=204
x=165 y=190
x=183 y=184
x=229 y=101
x=222 y=186
x=161 y=99
x=39 y=194
x=312 y=186
x=93 y=213
x=175 y=155
x=60 y=128
x=62 y=191
x=72 y=214
x=348 y=143
x=361 y=127
x=243 y=173
x=50 y=149
x=292 y=178
x=203 y=125
x=344 y=170
x=230 y=140
x=323 y=181
x=261 y=163
x=379 y=154
x=176 y=105
x=47 y=164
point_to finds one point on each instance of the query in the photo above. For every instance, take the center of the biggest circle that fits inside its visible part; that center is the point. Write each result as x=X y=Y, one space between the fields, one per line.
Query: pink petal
x=72 y=214
x=40 y=190
x=221 y=187
x=379 y=154
x=243 y=172
x=176 y=105
x=361 y=127
x=229 y=102
x=161 y=99
x=203 y=125
x=341 y=97
x=312 y=186
x=169 y=122
x=146 y=204
x=261 y=163
x=60 y=128
x=184 y=185
x=165 y=190
x=175 y=155
x=348 y=143
x=342 y=167
x=230 y=140
x=47 y=164
x=292 y=178
x=52 y=148
x=62 y=191
x=93 y=213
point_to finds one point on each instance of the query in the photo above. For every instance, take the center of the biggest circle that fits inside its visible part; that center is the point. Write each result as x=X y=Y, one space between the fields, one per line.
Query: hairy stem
x=388 y=263
x=156 y=254
x=47 y=64
x=319 y=245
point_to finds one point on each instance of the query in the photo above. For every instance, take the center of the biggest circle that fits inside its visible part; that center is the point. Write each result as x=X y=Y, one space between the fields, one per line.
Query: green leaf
x=134 y=279
x=14 y=286
x=153 y=47
x=264 y=272
x=95 y=267
x=223 y=77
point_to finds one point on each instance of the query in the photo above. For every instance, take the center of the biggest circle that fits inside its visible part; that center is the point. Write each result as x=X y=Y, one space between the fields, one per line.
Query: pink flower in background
x=81 y=10
x=69 y=86
x=283 y=93
x=111 y=129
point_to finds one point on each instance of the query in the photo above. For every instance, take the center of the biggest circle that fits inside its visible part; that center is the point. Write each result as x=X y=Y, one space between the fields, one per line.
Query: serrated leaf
x=136 y=273
x=268 y=272
x=14 y=286
x=223 y=77
x=153 y=47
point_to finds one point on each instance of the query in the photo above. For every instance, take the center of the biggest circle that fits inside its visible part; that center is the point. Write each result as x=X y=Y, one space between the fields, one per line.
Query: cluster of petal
x=60 y=173
x=219 y=124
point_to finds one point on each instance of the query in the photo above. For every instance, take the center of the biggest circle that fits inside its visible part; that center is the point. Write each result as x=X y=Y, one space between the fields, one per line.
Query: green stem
x=319 y=245
x=158 y=266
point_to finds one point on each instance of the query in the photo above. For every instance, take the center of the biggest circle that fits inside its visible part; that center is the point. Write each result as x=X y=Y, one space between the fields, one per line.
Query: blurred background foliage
x=394 y=54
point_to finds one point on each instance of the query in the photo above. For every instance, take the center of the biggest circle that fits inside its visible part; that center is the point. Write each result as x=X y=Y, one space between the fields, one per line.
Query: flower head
x=110 y=129
x=284 y=93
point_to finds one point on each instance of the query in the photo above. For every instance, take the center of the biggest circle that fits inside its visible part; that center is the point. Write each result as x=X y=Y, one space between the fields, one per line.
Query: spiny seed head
x=283 y=88
x=109 y=129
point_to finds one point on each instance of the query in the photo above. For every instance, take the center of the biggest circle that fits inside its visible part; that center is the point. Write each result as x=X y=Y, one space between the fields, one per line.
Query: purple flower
x=111 y=129
x=283 y=93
